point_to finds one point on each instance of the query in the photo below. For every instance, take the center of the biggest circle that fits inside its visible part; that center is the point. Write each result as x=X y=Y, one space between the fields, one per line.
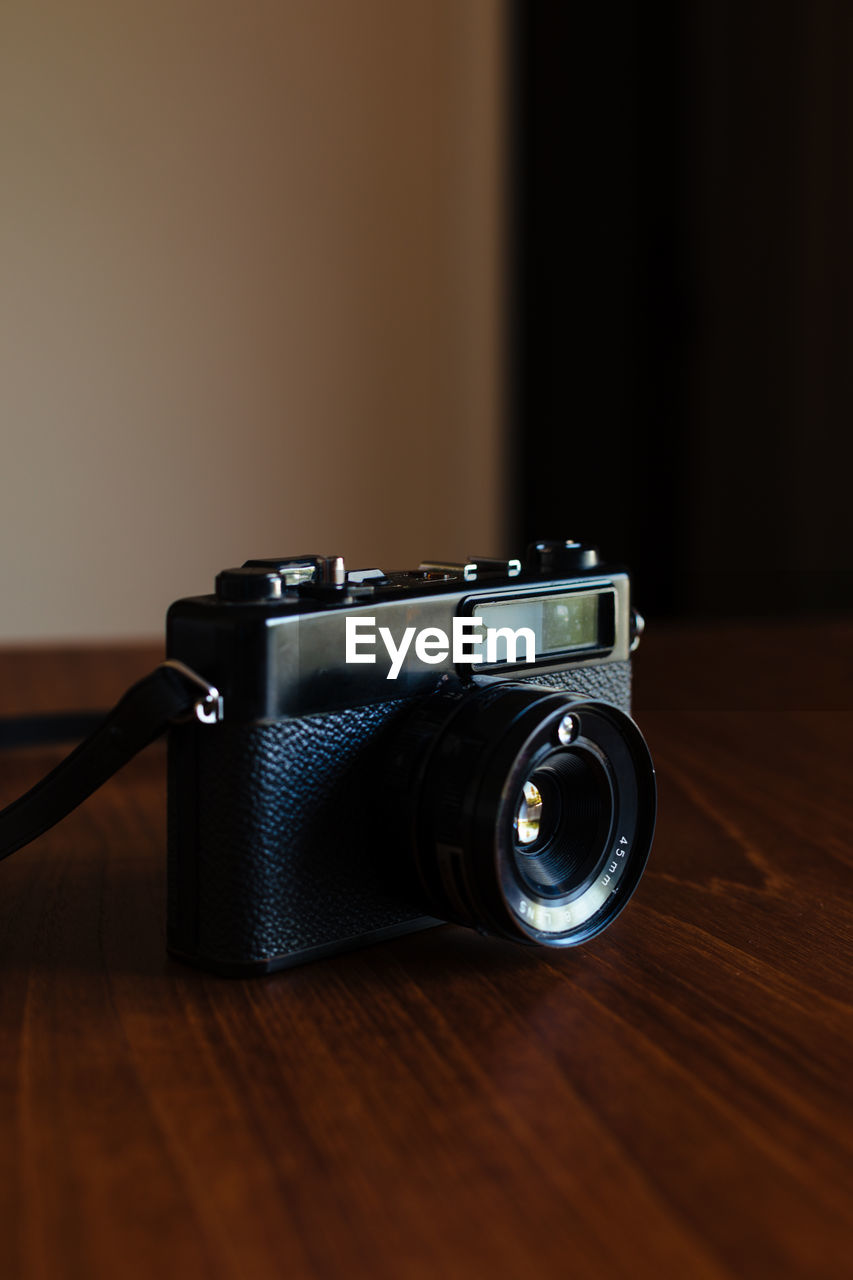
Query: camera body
x=291 y=820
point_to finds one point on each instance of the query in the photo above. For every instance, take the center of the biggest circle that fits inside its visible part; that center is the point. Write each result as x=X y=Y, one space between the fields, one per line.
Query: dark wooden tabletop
x=672 y=1100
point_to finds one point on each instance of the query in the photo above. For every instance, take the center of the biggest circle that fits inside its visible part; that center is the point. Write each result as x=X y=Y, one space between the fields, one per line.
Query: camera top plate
x=273 y=637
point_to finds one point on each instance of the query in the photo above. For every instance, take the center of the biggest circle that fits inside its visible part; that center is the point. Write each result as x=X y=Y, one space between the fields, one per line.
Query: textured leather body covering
x=282 y=838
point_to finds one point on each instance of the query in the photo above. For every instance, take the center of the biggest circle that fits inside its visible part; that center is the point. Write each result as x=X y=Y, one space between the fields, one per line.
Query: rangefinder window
x=562 y=624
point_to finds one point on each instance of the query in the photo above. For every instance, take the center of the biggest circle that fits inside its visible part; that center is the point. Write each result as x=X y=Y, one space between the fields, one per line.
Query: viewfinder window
x=562 y=624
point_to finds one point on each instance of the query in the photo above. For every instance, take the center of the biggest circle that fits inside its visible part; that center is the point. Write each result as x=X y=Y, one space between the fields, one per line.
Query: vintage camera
x=398 y=749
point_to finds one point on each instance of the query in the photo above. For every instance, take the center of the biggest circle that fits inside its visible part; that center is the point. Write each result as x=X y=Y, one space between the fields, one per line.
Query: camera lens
x=522 y=830
x=571 y=829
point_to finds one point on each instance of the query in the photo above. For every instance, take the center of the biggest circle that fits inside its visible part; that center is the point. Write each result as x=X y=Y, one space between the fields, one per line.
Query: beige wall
x=250 y=299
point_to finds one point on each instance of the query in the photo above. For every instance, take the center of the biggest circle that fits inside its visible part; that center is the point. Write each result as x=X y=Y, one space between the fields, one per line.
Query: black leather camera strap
x=171 y=693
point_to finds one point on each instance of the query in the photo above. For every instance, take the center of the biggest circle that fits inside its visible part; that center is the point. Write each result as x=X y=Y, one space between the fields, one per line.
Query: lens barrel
x=495 y=750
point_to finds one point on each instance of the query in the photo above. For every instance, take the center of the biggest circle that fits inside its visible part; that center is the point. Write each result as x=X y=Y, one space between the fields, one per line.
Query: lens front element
x=569 y=843
x=528 y=819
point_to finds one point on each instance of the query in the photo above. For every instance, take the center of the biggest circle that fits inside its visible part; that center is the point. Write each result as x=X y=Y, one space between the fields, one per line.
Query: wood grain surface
x=672 y=1100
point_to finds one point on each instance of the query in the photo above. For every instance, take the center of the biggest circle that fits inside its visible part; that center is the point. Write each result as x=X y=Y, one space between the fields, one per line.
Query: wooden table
x=672 y=1100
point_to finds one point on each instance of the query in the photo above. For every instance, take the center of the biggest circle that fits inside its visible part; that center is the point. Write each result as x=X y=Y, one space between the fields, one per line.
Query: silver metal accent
x=638 y=626
x=294 y=574
x=446 y=566
x=209 y=708
x=336 y=571
x=567 y=729
x=471 y=569
x=492 y=566
x=364 y=575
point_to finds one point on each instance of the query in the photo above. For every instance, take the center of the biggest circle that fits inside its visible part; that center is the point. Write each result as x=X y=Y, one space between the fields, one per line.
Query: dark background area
x=680 y=331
